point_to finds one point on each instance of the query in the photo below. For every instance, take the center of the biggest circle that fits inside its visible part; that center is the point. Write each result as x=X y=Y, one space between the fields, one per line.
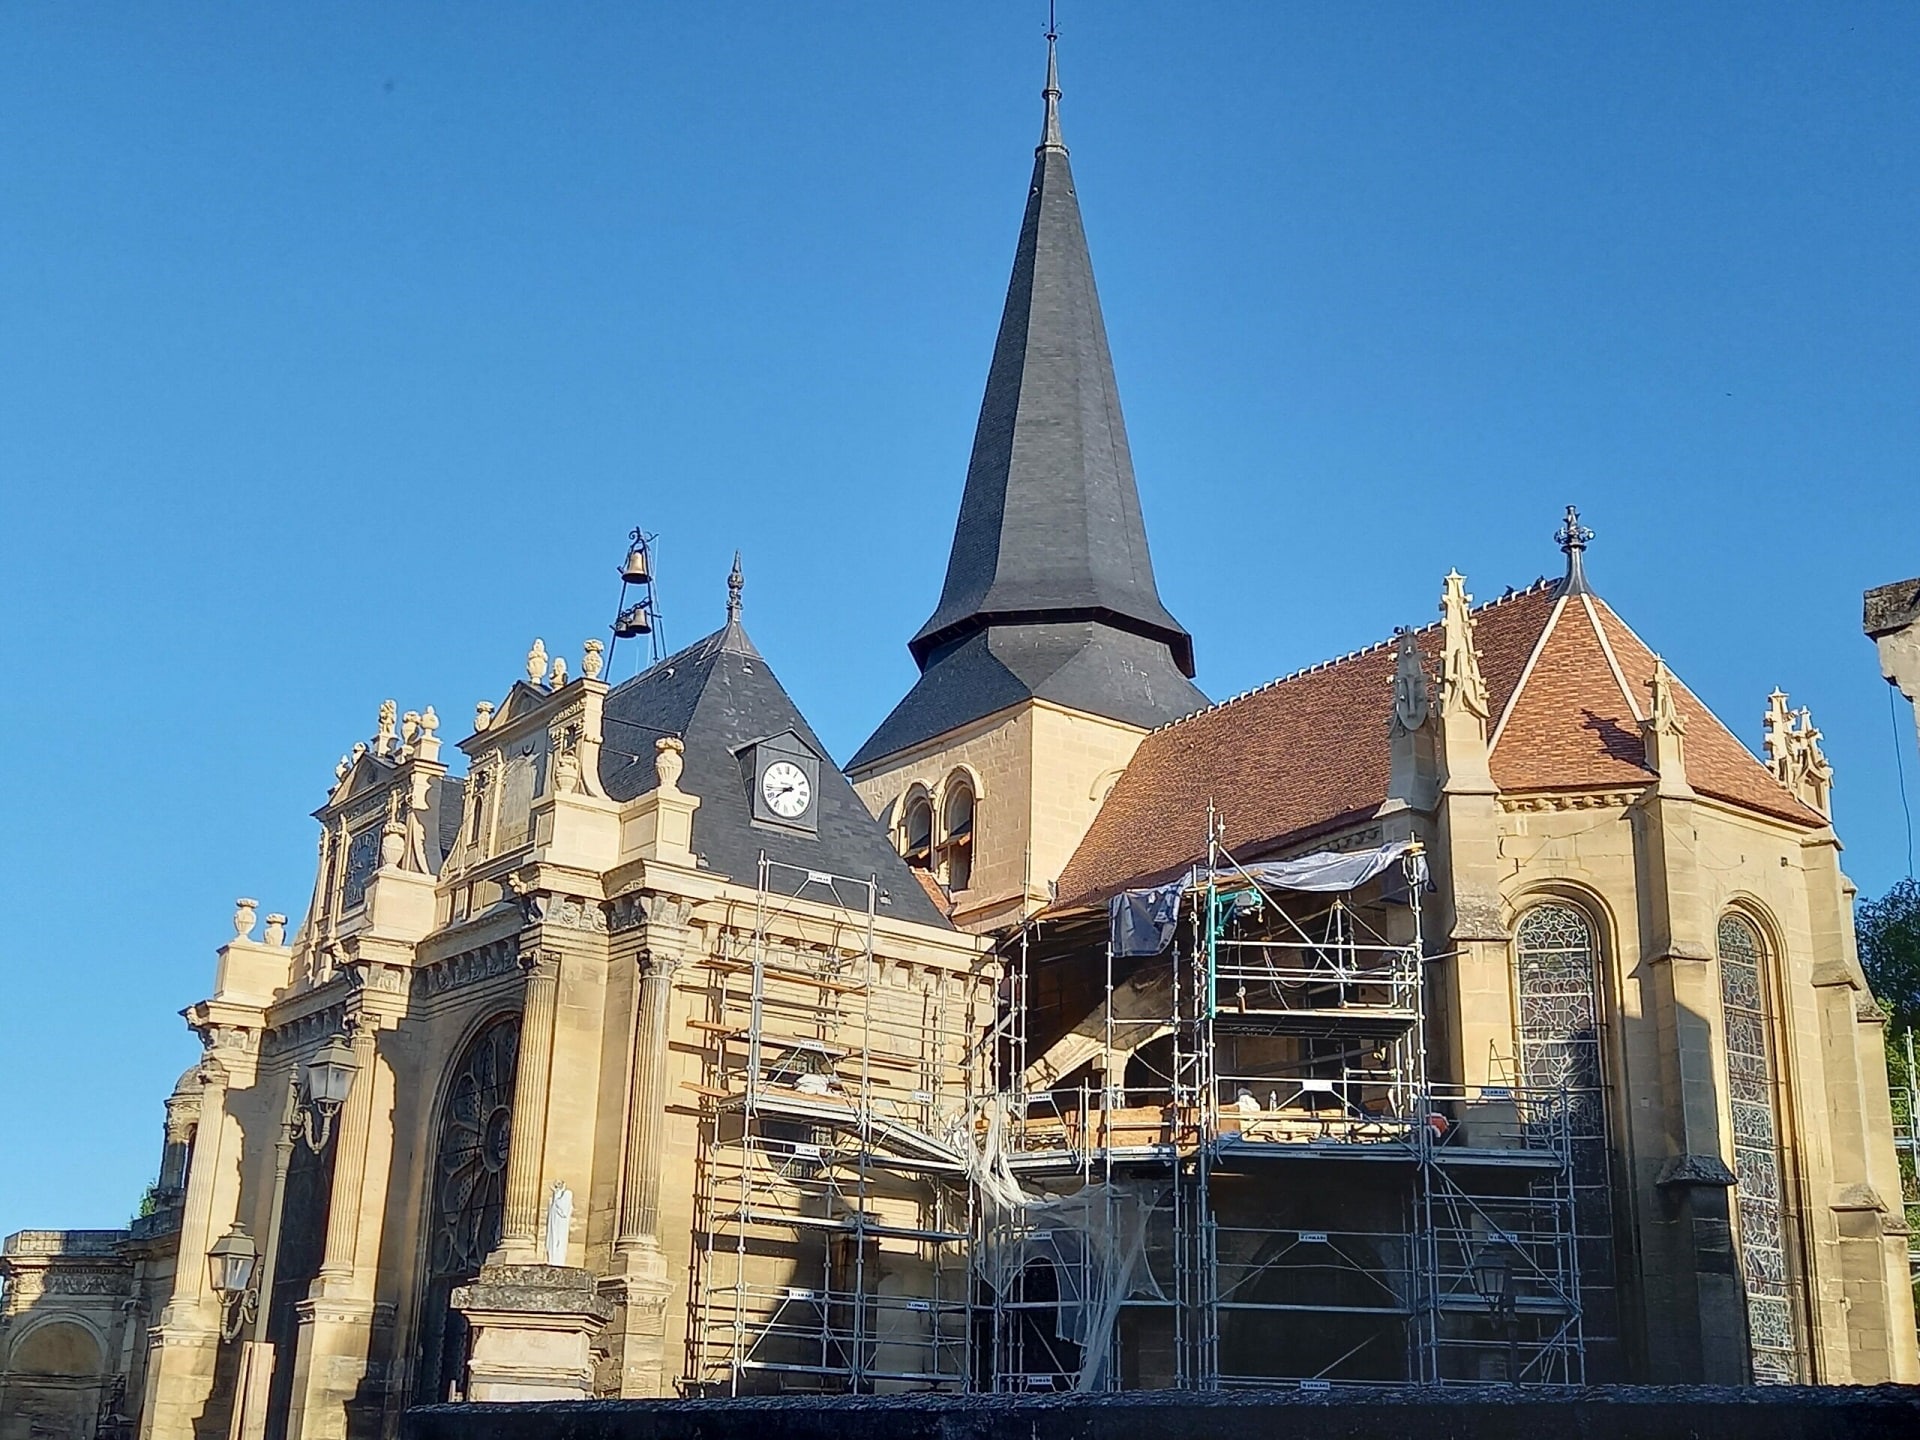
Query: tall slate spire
x=1049 y=589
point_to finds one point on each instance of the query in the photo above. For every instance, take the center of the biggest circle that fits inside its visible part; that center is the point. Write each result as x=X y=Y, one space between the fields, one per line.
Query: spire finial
x=735 y=584
x=1572 y=538
x=1050 y=138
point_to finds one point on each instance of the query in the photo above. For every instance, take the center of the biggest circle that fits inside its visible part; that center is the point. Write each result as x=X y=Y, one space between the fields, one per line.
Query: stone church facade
x=655 y=1053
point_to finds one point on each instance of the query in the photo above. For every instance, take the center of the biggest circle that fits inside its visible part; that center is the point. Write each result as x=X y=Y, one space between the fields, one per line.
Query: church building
x=1476 y=1006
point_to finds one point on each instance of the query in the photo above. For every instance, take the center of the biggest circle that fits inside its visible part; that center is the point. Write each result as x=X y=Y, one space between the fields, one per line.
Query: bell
x=636 y=571
x=633 y=622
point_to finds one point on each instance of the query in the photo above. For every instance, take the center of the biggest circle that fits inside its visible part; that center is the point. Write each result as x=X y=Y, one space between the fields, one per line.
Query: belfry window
x=956 y=836
x=916 y=831
x=1752 y=1093
x=1563 y=1061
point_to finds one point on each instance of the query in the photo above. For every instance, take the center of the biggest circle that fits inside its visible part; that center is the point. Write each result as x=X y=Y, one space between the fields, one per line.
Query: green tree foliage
x=1889 y=931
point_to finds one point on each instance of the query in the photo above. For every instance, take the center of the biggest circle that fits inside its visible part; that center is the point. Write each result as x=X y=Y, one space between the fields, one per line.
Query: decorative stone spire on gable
x=1664 y=732
x=1464 y=708
x=1794 y=754
x=1462 y=687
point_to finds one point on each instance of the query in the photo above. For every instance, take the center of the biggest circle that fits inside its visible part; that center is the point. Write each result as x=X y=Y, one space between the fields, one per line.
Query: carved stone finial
x=243 y=917
x=1664 y=733
x=383 y=736
x=1779 y=739
x=482 y=716
x=590 y=658
x=427 y=747
x=1461 y=684
x=736 y=582
x=409 y=733
x=393 y=844
x=1572 y=538
x=537 y=662
x=669 y=759
x=1412 y=693
x=1666 y=716
x=557 y=678
x=276 y=931
x=1812 y=777
x=345 y=765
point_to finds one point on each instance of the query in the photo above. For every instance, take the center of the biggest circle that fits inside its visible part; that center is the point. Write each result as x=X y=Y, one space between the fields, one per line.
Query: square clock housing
x=783 y=782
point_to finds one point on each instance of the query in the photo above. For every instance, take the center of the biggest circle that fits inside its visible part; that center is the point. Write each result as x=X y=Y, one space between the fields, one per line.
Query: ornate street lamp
x=329 y=1081
x=1493 y=1277
x=230 y=1264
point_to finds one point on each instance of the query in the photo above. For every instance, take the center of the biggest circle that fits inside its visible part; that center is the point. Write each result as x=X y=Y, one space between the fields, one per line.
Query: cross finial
x=1572 y=538
x=1050 y=137
x=735 y=584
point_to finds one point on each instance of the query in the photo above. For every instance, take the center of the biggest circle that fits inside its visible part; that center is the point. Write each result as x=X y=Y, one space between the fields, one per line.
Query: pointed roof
x=1309 y=754
x=1050 y=534
x=719 y=695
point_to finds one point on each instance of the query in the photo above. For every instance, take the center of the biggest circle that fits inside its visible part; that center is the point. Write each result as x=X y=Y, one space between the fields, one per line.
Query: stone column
x=347 y=1198
x=183 y=1113
x=185 y=1344
x=520 y=1231
x=643 y=1284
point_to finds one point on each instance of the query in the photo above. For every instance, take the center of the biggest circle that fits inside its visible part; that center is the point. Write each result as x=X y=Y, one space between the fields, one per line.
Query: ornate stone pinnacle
x=735 y=584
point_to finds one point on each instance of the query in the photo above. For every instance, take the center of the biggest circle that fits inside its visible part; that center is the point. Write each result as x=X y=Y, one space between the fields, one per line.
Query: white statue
x=559 y=1222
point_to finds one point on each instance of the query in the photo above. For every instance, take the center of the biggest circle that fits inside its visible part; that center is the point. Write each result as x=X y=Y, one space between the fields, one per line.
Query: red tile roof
x=1309 y=753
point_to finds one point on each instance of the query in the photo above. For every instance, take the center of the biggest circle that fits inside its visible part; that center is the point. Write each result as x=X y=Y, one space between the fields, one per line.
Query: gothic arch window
x=467 y=1204
x=956 y=834
x=1753 y=1103
x=916 y=829
x=1562 y=1048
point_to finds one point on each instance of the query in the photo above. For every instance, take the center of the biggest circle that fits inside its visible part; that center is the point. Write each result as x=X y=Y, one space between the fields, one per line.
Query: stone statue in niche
x=559 y=1222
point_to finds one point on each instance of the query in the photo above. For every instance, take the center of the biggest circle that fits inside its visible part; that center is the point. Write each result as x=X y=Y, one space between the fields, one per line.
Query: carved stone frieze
x=572 y=913
x=308 y=1029
x=469 y=967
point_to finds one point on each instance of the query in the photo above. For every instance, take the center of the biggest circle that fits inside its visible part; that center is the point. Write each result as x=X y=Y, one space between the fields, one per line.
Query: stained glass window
x=1756 y=1151
x=1560 y=1045
x=469 y=1197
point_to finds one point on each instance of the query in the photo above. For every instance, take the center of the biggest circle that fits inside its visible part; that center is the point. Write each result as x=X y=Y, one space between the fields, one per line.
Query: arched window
x=468 y=1200
x=916 y=830
x=1557 y=963
x=956 y=835
x=1752 y=1098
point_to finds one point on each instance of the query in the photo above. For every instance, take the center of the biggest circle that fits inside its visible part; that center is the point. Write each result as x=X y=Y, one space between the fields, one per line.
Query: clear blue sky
x=340 y=346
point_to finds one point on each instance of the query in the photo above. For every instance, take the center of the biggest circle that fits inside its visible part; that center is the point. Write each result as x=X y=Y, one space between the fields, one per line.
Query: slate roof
x=718 y=695
x=1049 y=554
x=1309 y=753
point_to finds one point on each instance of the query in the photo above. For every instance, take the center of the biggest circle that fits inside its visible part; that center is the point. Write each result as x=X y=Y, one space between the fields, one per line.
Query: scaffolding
x=832 y=1203
x=1222 y=1164
x=1242 y=1174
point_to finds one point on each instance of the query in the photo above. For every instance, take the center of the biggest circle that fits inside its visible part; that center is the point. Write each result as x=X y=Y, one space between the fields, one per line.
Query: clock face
x=785 y=787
